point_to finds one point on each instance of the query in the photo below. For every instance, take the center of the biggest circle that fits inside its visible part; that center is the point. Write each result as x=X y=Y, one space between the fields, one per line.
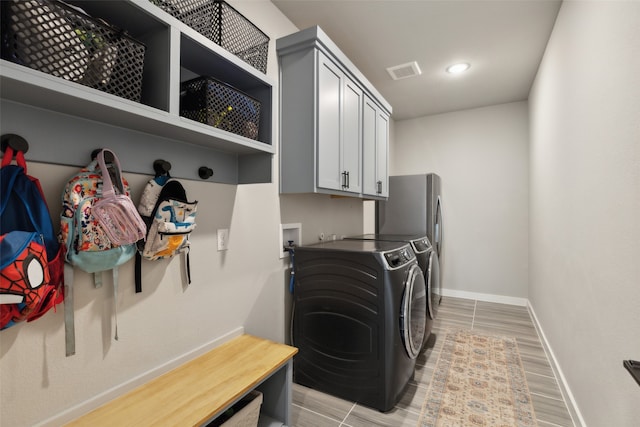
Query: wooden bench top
x=197 y=390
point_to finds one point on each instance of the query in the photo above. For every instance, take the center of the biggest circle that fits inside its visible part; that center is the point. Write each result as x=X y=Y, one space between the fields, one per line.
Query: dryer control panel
x=396 y=259
x=421 y=245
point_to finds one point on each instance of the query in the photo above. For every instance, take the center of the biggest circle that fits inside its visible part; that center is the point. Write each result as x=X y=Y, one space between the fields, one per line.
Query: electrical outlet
x=223 y=239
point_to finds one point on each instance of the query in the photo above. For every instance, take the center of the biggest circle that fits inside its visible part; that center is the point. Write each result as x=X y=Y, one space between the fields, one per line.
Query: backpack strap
x=115 y=299
x=188 y=266
x=138 y=272
x=108 y=189
x=8 y=157
x=97 y=279
x=9 y=176
x=69 y=319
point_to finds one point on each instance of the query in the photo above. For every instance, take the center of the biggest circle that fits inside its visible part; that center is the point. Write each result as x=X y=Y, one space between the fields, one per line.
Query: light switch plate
x=223 y=239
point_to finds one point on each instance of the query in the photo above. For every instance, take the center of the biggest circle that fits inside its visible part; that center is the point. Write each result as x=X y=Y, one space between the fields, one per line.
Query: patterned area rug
x=478 y=381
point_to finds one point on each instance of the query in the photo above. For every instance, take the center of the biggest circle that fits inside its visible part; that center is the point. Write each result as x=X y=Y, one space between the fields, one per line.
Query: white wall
x=482 y=157
x=585 y=204
x=242 y=287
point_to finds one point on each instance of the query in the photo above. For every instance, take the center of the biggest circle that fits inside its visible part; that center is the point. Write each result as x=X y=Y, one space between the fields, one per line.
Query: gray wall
x=482 y=157
x=584 y=282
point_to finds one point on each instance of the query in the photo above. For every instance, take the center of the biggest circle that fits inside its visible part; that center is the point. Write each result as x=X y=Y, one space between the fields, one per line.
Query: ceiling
x=503 y=40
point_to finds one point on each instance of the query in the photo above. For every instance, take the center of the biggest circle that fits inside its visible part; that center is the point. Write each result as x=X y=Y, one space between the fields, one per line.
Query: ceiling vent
x=410 y=69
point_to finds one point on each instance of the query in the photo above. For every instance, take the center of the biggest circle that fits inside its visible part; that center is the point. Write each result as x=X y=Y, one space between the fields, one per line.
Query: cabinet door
x=329 y=124
x=352 y=136
x=382 y=154
x=369 y=149
x=375 y=147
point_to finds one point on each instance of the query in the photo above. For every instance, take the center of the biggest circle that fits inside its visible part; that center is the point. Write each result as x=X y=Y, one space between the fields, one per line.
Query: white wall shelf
x=174 y=53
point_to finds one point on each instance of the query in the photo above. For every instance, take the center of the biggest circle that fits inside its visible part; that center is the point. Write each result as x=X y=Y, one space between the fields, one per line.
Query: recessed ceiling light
x=458 y=68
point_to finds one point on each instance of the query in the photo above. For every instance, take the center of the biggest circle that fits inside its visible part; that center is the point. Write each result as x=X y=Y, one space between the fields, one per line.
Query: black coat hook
x=205 y=172
x=161 y=167
x=108 y=157
x=16 y=142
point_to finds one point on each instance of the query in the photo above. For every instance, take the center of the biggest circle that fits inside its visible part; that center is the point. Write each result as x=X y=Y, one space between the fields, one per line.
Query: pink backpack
x=116 y=213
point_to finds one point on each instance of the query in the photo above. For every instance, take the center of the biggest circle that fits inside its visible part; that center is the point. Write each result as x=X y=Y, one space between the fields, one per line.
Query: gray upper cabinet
x=325 y=144
x=375 y=146
x=352 y=137
x=339 y=123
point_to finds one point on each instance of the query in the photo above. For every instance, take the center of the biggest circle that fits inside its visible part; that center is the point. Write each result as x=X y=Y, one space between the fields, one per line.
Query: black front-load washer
x=427 y=261
x=358 y=319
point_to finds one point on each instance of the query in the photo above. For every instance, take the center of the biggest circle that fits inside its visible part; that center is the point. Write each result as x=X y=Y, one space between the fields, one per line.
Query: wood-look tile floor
x=315 y=409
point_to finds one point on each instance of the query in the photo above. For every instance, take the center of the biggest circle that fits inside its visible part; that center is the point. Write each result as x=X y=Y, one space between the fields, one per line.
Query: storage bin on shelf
x=245 y=413
x=63 y=41
x=224 y=25
x=208 y=100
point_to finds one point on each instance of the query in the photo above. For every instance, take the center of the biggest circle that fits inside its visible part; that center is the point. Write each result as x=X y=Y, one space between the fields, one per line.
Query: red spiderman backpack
x=31 y=260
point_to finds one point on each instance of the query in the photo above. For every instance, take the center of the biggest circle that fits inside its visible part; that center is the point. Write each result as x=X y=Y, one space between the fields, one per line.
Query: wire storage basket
x=245 y=413
x=63 y=41
x=224 y=25
x=208 y=100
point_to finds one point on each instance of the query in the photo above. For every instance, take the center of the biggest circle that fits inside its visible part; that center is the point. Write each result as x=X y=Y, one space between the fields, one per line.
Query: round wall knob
x=16 y=142
x=205 y=172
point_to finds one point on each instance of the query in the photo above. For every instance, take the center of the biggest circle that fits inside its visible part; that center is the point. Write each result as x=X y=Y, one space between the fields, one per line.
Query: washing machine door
x=433 y=284
x=413 y=313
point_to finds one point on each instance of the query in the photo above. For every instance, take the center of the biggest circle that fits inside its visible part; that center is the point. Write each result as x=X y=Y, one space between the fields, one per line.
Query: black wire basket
x=208 y=100
x=63 y=41
x=224 y=25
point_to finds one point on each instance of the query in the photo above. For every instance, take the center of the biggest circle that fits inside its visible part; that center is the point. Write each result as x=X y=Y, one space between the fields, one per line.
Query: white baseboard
x=578 y=421
x=501 y=299
x=82 y=408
